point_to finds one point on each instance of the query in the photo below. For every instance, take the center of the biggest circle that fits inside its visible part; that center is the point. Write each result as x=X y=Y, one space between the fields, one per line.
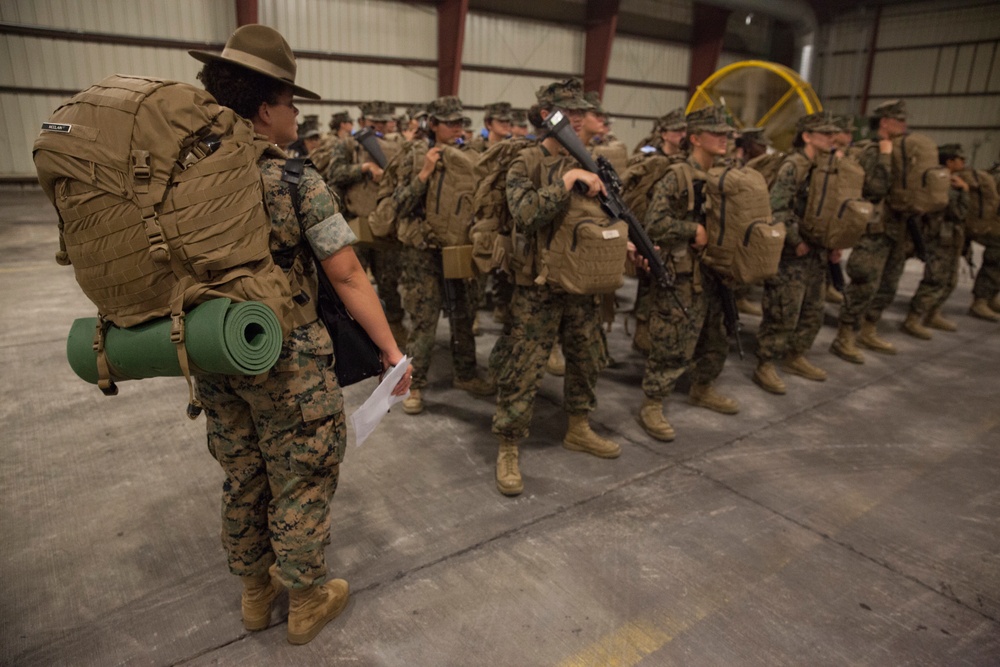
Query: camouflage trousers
x=695 y=343
x=387 y=267
x=423 y=297
x=987 y=283
x=792 y=306
x=944 y=240
x=643 y=297
x=874 y=267
x=538 y=315
x=280 y=442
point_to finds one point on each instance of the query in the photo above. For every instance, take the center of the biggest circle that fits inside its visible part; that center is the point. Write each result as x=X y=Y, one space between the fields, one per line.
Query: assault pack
x=744 y=241
x=982 y=222
x=160 y=204
x=768 y=164
x=639 y=179
x=919 y=183
x=493 y=227
x=836 y=215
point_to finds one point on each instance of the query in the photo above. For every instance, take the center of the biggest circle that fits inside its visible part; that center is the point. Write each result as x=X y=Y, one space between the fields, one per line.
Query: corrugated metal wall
x=943 y=60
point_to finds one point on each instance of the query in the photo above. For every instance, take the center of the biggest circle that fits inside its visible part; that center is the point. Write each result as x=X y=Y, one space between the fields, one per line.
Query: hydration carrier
x=836 y=216
x=448 y=206
x=744 y=242
x=384 y=222
x=919 y=183
x=982 y=222
x=160 y=204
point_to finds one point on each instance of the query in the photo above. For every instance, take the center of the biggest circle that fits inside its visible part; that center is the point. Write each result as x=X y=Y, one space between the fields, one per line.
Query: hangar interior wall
x=944 y=60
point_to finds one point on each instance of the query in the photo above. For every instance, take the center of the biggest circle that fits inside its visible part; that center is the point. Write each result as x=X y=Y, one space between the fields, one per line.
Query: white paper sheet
x=367 y=417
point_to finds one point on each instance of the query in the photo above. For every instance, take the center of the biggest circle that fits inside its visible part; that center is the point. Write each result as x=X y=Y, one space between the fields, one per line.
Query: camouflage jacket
x=537 y=199
x=878 y=170
x=669 y=223
x=318 y=227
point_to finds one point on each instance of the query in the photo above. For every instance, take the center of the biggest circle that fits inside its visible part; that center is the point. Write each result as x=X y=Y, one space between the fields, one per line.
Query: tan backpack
x=982 y=222
x=836 y=215
x=744 y=241
x=384 y=221
x=767 y=164
x=322 y=155
x=919 y=183
x=493 y=226
x=450 y=189
x=639 y=179
x=160 y=203
x=361 y=198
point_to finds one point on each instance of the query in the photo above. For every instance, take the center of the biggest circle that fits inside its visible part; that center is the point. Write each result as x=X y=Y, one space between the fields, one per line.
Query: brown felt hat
x=262 y=50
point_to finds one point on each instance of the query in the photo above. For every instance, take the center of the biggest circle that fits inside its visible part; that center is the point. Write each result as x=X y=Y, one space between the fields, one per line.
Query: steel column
x=602 y=22
x=246 y=12
x=451 y=34
x=707 y=35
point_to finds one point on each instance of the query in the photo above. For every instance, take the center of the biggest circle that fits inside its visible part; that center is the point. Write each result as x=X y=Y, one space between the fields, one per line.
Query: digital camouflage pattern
x=540 y=315
x=792 y=304
x=283 y=431
x=679 y=344
x=422 y=299
x=944 y=236
x=880 y=255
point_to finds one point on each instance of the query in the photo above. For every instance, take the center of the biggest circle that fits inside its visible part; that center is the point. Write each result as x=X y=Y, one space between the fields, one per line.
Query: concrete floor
x=849 y=522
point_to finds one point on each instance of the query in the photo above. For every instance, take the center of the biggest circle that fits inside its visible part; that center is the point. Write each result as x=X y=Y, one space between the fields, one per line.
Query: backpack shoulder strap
x=685 y=174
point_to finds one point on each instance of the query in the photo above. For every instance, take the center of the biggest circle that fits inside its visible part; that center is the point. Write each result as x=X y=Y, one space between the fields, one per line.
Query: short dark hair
x=798 y=141
x=873 y=123
x=239 y=88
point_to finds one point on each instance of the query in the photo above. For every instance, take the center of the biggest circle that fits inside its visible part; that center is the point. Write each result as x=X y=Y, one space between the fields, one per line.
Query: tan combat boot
x=843 y=345
x=508 y=473
x=641 y=342
x=981 y=309
x=869 y=338
x=310 y=609
x=833 y=296
x=800 y=366
x=937 y=321
x=748 y=307
x=994 y=303
x=259 y=592
x=476 y=329
x=767 y=378
x=705 y=396
x=414 y=403
x=476 y=386
x=580 y=438
x=652 y=420
x=915 y=328
x=501 y=314
x=556 y=365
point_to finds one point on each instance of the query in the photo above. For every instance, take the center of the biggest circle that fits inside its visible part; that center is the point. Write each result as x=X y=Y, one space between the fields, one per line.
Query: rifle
x=913 y=229
x=369 y=140
x=612 y=203
x=731 y=314
x=967 y=254
x=837 y=277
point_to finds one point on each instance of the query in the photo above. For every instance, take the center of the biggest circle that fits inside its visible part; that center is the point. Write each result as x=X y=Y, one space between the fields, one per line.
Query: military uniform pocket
x=323 y=438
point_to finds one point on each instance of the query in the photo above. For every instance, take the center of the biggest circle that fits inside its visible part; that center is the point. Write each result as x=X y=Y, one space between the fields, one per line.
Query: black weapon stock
x=731 y=315
x=837 y=276
x=913 y=228
x=558 y=127
x=369 y=140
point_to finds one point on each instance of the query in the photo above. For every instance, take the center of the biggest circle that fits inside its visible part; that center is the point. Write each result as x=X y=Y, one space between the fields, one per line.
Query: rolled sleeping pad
x=220 y=337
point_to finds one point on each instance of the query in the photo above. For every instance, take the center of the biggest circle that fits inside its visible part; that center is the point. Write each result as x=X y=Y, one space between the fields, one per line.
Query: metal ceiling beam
x=451 y=35
x=246 y=12
x=708 y=33
x=602 y=22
